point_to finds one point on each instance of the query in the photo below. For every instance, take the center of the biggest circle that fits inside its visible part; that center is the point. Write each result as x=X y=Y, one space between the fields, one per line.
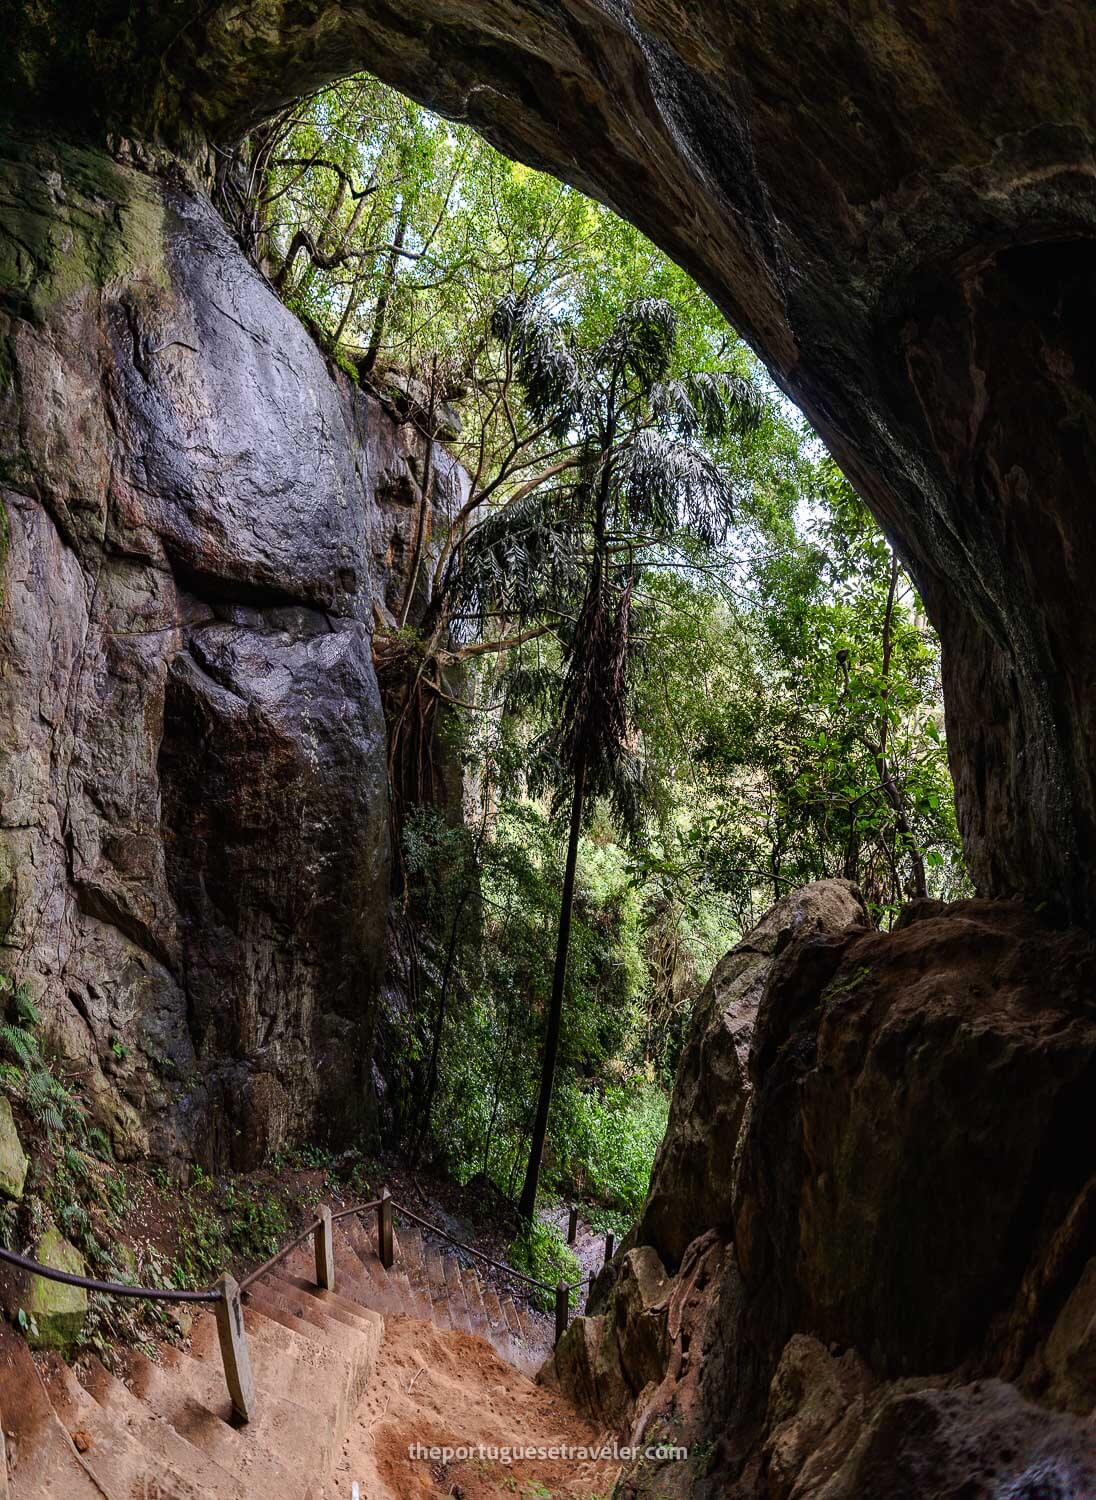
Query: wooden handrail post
x=384 y=1229
x=563 y=1307
x=572 y=1226
x=230 y=1331
x=608 y=1247
x=325 y=1250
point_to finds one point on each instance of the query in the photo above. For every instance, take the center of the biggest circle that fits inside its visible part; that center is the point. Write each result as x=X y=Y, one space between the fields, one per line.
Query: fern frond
x=20 y=1043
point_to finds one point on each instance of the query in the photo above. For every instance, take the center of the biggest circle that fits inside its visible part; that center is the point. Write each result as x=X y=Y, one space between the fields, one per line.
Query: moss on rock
x=71 y=217
x=58 y=1310
x=13 y=1159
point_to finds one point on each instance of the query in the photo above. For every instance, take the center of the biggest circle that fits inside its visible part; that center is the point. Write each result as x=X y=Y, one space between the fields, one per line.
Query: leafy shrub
x=540 y=1251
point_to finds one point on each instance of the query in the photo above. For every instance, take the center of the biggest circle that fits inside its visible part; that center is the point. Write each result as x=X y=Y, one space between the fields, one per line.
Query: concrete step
x=114 y=1456
x=43 y=1463
x=306 y=1394
x=437 y=1290
x=168 y=1449
x=354 y=1241
x=493 y=1307
x=525 y=1323
x=343 y=1304
x=303 y=1315
x=410 y=1256
x=245 y=1453
x=510 y=1313
x=474 y=1297
x=458 y=1305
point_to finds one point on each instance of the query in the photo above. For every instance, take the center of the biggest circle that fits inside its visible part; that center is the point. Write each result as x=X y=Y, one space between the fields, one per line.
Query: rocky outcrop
x=897 y=208
x=899 y=1289
x=695 y=1170
x=200 y=524
x=13 y=1159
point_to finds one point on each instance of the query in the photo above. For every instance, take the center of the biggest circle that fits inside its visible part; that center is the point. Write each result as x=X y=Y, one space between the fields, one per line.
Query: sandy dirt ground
x=448 y=1389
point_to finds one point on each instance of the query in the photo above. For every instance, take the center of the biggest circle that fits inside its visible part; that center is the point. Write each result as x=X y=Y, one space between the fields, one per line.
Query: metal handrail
x=444 y=1234
x=112 y=1288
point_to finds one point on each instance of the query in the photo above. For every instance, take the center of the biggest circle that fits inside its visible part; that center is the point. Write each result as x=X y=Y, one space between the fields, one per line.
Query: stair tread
x=164 y=1442
x=336 y=1303
x=510 y=1313
x=41 y=1458
x=113 y=1455
x=411 y=1248
x=237 y=1450
x=474 y=1292
x=283 y=1359
x=302 y=1314
x=525 y=1323
x=311 y=1433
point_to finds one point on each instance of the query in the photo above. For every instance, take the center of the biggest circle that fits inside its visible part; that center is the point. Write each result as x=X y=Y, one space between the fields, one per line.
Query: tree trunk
x=555 y=1009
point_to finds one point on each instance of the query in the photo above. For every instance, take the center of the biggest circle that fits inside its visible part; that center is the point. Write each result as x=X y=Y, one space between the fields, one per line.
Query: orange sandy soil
x=449 y=1389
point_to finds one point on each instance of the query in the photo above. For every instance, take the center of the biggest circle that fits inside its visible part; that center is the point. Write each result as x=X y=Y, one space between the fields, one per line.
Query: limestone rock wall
x=199 y=520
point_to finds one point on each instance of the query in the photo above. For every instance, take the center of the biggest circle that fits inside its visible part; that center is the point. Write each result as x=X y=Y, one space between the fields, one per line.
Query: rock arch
x=895 y=204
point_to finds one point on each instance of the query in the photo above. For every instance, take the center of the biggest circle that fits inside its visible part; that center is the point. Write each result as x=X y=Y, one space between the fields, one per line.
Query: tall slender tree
x=571 y=552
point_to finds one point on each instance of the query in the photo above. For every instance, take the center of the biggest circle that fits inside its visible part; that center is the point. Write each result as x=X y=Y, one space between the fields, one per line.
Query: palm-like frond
x=518 y=560
x=531 y=688
x=642 y=342
x=546 y=368
x=725 y=403
x=665 y=482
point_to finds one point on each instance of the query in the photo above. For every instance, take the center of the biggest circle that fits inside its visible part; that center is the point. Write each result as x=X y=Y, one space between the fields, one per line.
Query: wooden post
x=230 y=1330
x=384 y=1228
x=325 y=1250
x=572 y=1226
x=563 y=1307
x=608 y=1247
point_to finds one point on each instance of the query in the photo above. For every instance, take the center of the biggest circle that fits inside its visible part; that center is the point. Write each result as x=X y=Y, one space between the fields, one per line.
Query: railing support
x=563 y=1307
x=325 y=1250
x=572 y=1226
x=230 y=1330
x=608 y=1247
x=384 y=1229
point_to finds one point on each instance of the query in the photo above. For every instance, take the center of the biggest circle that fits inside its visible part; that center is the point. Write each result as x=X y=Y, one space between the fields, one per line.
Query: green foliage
x=224 y=1224
x=24 y=1073
x=604 y=1143
x=541 y=1252
x=666 y=578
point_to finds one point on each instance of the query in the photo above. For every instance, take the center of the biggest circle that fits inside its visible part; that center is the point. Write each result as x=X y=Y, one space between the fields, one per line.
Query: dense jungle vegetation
x=661 y=634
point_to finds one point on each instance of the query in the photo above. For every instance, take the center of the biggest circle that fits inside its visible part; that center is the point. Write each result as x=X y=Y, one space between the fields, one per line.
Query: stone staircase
x=430 y=1282
x=163 y=1427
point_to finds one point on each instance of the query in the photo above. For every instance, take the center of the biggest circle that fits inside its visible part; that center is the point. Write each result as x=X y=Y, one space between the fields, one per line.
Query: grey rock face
x=194 y=852
x=898 y=210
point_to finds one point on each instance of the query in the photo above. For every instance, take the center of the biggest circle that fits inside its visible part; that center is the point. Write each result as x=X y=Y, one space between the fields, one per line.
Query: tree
x=640 y=473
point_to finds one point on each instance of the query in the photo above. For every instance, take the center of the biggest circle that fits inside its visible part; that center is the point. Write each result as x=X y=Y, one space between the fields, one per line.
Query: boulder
x=692 y=1181
x=900 y=1297
x=58 y=1309
x=196 y=518
x=921 y=1100
x=13 y=1159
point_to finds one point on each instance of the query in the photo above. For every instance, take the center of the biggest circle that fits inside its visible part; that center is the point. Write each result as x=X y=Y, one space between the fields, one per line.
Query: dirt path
x=447 y=1389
